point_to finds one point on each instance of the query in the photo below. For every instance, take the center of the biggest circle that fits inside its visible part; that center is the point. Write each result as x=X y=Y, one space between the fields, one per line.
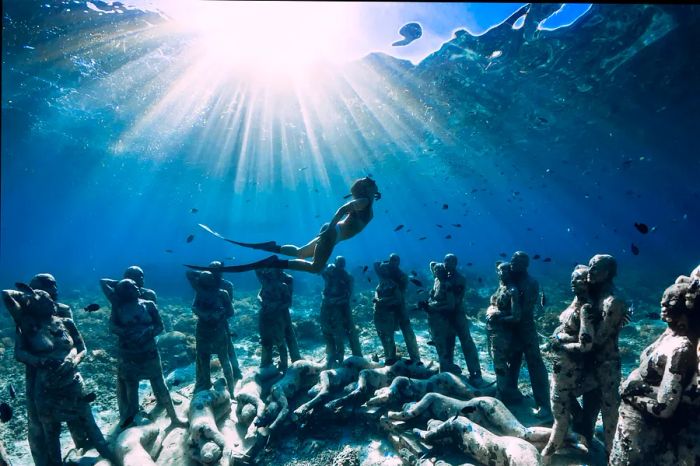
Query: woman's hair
x=365 y=187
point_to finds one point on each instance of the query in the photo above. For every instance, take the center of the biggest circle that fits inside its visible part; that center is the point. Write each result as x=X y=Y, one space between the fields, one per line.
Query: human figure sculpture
x=460 y=321
x=525 y=337
x=136 y=274
x=45 y=282
x=390 y=310
x=136 y=322
x=213 y=308
x=219 y=282
x=480 y=443
x=570 y=341
x=336 y=317
x=441 y=304
x=275 y=297
x=649 y=417
x=502 y=317
x=604 y=360
x=53 y=346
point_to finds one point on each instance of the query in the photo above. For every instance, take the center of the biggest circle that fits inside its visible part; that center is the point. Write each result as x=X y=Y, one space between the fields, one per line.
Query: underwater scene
x=334 y=233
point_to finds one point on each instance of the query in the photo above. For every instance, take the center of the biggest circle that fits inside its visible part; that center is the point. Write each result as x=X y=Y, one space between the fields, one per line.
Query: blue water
x=110 y=138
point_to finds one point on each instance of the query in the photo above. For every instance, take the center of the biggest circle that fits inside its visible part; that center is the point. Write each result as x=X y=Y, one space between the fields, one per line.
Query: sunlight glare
x=281 y=38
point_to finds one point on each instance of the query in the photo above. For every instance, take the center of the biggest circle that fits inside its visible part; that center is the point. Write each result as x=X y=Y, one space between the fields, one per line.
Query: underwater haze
x=127 y=124
x=116 y=124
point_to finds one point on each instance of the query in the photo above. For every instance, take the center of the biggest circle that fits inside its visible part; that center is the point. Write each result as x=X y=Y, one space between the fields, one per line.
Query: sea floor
x=315 y=445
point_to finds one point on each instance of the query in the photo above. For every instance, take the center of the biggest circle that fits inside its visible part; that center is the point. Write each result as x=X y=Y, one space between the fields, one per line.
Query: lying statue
x=374 y=379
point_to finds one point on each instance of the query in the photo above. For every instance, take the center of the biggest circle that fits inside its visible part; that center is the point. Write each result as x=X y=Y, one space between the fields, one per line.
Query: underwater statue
x=336 y=317
x=253 y=389
x=136 y=322
x=331 y=381
x=300 y=377
x=45 y=282
x=653 y=417
x=405 y=389
x=390 y=311
x=54 y=348
x=502 y=318
x=372 y=379
x=347 y=222
x=441 y=304
x=486 y=411
x=571 y=339
x=604 y=358
x=135 y=273
x=484 y=446
x=275 y=326
x=526 y=341
x=460 y=321
x=213 y=307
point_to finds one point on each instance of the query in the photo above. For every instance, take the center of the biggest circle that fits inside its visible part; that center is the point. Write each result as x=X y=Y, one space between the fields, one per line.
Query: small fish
x=420 y=291
x=369 y=280
x=303 y=168
x=364 y=269
x=169 y=250
x=422 y=238
x=445 y=207
x=194 y=210
x=642 y=228
x=503 y=254
x=634 y=249
x=90 y=397
x=398 y=228
x=190 y=238
x=12 y=392
x=536 y=256
x=438 y=225
x=408 y=230
x=547 y=259
x=430 y=343
x=457 y=225
x=5 y=412
x=653 y=315
x=92 y=307
x=448 y=237
x=481 y=280
x=543 y=299
x=416 y=282
x=469 y=264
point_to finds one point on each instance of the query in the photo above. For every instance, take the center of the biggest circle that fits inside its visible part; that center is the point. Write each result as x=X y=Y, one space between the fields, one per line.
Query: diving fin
x=269 y=246
x=269 y=262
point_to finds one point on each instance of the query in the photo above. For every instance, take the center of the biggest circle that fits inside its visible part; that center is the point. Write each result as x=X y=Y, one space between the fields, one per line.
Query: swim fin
x=269 y=246
x=272 y=262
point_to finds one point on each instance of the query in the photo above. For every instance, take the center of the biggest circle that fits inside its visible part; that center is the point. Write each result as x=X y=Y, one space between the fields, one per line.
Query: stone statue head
x=602 y=268
x=519 y=262
x=127 y=290
x=450 y=262
x=440 y=271
x=674 y=310
x=41 y=305
x=503 y=269
x=46 y=282
x=135 y=273
x=579 y=280
x=394 y=260
x=340 y=262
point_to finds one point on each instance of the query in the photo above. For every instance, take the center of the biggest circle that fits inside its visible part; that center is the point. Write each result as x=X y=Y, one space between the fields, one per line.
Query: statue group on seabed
x=652 y=417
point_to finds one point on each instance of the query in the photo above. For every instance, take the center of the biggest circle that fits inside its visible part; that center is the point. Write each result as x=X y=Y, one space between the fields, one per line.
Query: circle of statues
x=652 y=417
